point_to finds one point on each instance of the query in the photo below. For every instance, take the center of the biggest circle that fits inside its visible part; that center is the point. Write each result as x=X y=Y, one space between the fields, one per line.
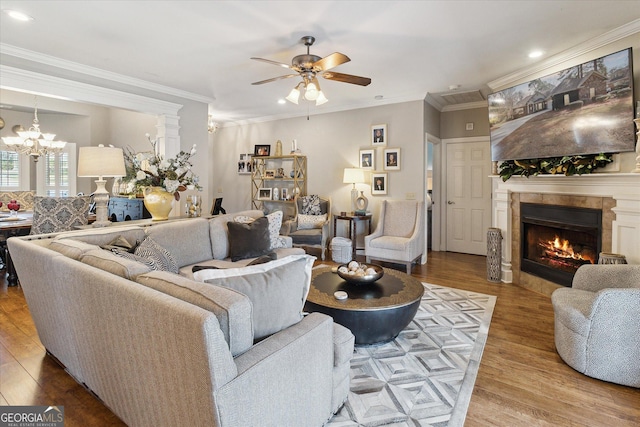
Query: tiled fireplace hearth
x=614 y=197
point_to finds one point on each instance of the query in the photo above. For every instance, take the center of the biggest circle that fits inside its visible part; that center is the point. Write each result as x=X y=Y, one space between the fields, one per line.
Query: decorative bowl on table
x=358 y=273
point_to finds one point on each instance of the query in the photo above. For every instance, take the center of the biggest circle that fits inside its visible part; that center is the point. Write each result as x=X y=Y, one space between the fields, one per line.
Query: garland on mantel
x=567 y=165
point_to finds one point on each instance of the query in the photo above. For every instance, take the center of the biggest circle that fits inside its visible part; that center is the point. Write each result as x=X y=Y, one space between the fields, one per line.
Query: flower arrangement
x=150 y=169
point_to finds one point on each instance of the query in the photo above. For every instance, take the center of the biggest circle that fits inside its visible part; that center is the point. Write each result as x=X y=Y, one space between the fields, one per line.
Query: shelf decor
x=567 y=165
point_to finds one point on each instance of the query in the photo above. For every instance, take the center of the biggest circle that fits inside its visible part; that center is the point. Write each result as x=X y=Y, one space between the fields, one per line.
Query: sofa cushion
x=151 y=250
x=119 y=242
x=187 y=240
x=114 y=264
x=277 y=290
x=249 y=240
x=102 y=236
x=219 y=232
x=233 y=310
x=71 y=248
x=275 y=223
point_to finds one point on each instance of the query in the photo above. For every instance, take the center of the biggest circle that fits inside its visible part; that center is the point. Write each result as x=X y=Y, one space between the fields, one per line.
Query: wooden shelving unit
x=292 y=178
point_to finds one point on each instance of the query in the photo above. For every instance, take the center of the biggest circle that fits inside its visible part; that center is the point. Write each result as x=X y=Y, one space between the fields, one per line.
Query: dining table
x=12 y=225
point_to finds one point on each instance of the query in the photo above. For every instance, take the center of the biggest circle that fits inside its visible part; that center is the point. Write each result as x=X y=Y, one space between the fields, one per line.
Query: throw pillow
x=260 y=260
x=275 y=223
x=248 y=240
x=119 y=242
x=308 y=222
x=311 y=205
x=151 y=250
x=277 y=290
x=149 y=262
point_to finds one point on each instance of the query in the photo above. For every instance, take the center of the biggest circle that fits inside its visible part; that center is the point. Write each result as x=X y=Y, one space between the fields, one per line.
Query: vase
x=362 y=202
x=158 y=202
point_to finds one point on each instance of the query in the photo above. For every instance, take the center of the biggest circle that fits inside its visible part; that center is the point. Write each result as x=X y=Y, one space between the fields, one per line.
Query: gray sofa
x=162 y=349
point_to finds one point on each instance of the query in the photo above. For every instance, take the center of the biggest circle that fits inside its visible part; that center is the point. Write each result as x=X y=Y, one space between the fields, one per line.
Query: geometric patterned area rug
x=425 y=376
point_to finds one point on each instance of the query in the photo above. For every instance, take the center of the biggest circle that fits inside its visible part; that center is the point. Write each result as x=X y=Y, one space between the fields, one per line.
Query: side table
x=353 y=221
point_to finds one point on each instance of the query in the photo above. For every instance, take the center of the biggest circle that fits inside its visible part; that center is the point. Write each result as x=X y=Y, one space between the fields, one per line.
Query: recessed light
x=535 y=54
x=281 y=101
x=454 y=87
x=18 y=16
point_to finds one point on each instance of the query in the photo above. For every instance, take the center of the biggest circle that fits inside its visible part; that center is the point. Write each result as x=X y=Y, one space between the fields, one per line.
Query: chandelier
x=33 y=142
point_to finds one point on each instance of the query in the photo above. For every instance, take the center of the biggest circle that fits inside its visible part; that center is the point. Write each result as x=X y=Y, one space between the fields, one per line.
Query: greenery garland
x=567 y=165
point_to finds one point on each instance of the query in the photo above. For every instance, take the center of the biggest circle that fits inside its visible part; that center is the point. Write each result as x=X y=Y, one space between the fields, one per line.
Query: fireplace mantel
x=623 y=188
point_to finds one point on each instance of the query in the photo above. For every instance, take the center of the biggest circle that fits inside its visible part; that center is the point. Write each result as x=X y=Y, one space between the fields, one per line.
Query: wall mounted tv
x=586 y=109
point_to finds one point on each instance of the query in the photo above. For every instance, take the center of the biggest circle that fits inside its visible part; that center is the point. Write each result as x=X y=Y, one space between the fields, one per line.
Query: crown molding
x=52 y=61
x=42 y=84
x=466 y=106
x=609 y=37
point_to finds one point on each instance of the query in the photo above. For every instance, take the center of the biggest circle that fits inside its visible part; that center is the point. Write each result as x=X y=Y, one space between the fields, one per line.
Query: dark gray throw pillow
x=248 y=240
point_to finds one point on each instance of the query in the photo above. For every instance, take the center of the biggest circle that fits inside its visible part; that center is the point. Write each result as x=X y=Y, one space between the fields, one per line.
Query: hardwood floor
x=522 y=381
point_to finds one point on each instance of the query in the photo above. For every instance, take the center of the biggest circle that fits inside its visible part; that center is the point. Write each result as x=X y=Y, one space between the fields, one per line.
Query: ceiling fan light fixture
x=312 y=90
x=294 y=95
x=321 y=99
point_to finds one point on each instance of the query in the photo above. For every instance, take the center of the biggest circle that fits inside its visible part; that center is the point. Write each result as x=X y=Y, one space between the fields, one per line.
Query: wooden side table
x=353 y=221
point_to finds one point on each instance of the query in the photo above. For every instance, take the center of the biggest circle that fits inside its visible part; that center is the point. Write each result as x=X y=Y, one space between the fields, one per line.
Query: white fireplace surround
x=624 y=188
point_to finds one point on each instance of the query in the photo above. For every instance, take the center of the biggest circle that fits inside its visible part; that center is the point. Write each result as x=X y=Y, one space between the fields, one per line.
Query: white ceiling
x=408 y=48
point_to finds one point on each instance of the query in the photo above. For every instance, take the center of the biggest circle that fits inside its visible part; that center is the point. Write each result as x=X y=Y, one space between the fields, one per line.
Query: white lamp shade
x=354 y=175
x=321 y=98
x=294 y=95
x=101 y=162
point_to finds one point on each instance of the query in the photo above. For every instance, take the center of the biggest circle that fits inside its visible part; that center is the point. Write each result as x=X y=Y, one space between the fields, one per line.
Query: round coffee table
x=376 y=312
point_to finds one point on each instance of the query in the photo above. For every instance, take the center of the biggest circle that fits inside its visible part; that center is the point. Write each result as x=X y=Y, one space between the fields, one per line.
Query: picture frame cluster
x=390 y=159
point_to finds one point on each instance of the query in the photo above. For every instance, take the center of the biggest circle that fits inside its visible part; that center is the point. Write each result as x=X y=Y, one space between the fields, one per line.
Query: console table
x=353 y=221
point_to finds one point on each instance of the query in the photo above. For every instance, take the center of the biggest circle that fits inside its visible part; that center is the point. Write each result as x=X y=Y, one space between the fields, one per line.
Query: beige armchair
x=310 y=230
x=597 y=322
x=399 y=234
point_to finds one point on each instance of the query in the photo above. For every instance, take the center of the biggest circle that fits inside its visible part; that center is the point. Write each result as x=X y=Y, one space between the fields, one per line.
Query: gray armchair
x=399 y=234
x=310 y=233
x=597 y=323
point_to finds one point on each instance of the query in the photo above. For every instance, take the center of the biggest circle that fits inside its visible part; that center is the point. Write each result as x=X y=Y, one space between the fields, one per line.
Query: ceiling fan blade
x=330 y=61
x=347 y=78
x=274 y=79
x=268 y=61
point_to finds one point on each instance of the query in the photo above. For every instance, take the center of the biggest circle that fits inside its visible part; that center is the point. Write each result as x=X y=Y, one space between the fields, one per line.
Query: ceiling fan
x=308 y=67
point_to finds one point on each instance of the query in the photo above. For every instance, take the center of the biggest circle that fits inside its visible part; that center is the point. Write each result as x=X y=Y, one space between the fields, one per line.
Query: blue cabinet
x=125 y=209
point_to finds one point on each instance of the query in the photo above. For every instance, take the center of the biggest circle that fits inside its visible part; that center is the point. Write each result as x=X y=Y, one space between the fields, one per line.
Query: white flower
x=140 y=175
x=193 y=150
x=171 y=185
x=153 y=169
x=165 y=164
x=180 y=171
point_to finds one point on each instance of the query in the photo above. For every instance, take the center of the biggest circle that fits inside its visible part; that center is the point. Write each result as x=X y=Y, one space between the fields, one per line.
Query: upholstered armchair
x=399 y=234
x=312 y=222
x=597 y=322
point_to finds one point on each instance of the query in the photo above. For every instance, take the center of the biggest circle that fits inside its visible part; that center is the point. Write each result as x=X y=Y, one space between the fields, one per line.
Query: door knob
x=449 y=202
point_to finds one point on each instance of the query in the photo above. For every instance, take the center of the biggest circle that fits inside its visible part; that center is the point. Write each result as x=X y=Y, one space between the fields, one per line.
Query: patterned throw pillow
x=275 y=222
x=309 y=222
x=151 y=250
x=133 y=257
x=55 y=214
x=311 y=205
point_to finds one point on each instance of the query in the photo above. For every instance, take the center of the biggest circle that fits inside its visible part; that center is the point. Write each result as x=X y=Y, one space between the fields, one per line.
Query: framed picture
x=269 y=174
x=379 y=183
x=262 y=150
x=392 y=159
x=379 y=135
x=245 y=165
x=264 y=193
x=367 y=159
x=285 y=194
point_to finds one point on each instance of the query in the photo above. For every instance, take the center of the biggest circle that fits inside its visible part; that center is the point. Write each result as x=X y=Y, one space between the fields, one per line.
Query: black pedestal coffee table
x=375 y=312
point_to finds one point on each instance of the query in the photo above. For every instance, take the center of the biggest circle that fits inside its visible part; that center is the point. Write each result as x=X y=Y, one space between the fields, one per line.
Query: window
x=57 y=172
x=14 y=171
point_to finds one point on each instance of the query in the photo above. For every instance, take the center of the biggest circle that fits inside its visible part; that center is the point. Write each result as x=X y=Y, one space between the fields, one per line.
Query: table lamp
x=354 y=176
x=103 y=162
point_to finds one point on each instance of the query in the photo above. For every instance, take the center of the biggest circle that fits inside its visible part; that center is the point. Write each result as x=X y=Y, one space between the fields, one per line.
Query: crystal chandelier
x=33 y=142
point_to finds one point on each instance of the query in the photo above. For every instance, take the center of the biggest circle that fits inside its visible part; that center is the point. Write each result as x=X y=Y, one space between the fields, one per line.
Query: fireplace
x=557 y=240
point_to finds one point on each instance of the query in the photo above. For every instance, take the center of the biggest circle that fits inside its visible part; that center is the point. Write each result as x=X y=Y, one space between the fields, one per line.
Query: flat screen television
x=585 y=109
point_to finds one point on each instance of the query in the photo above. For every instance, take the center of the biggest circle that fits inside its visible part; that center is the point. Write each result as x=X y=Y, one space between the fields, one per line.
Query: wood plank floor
x=522 y=381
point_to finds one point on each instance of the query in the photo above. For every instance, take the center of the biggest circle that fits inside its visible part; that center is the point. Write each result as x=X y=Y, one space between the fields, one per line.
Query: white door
x=468 y=196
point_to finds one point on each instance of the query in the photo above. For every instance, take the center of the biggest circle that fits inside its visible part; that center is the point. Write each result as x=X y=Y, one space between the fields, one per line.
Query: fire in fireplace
x=557 y=240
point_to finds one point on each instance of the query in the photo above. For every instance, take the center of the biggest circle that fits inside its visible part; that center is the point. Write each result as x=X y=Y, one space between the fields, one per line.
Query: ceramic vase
x=158 y=202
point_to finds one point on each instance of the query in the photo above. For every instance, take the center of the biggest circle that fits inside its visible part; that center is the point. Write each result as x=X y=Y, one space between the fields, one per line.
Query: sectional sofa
x=223 y=346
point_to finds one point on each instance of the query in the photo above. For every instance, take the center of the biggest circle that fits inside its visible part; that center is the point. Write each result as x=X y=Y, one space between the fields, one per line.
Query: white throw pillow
x=277 y=290
x=308 y=222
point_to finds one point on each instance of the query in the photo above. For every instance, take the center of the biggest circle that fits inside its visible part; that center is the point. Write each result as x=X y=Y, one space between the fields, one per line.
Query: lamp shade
x=101 y=161
x=354 y=175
